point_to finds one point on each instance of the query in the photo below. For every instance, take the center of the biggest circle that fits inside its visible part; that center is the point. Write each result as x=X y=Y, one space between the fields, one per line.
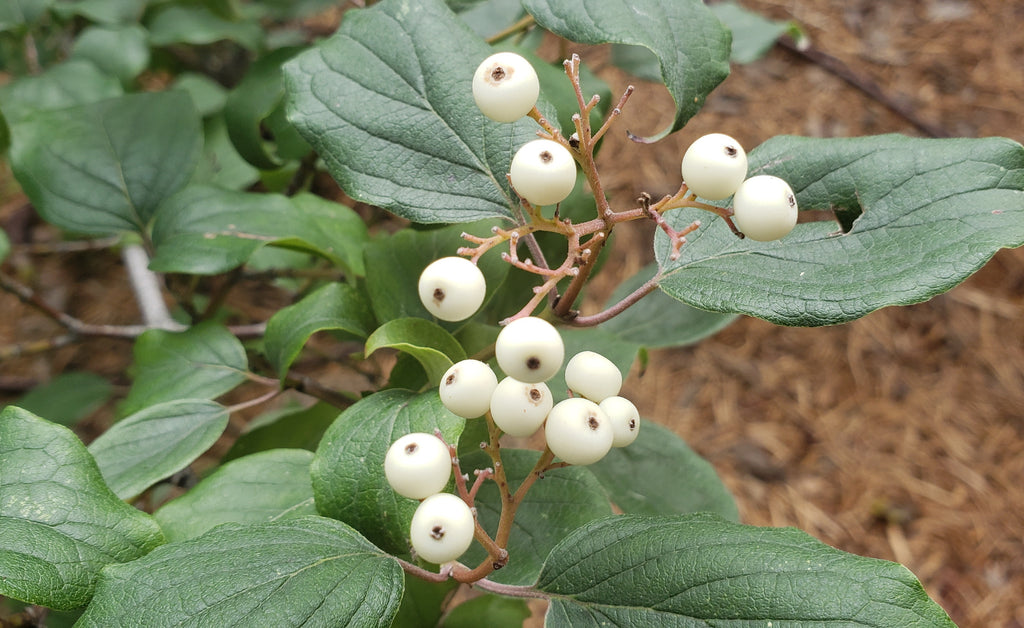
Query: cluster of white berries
x=715 y=167
x=505 y=88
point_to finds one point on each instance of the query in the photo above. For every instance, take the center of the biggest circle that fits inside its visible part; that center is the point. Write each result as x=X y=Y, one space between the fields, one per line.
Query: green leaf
x=17 y=14
x=206 y=230
x=260 y=488
x=348 y=470
x=423 y=602
x=109 y=12
x=334 y=306
x=489 y=17
x=59 y=523
x=562 y=501
x=68 y=397
x=105 y=167
x=5 y=245
x=393 y=267
x=72 y=82
x=176 y=24
x=701 y=571
x=207 y=94
x=690 y=42
x=925 y=214
x=288 y=428
x=157 y=442
x=250 y=105
x=627 y=472
x=621 y=353
x=298 y=572
x=488 y=610
x=205 y=361
x=659 y=321
x=221 y=165
x=120 y=51
x=387 y=103
x=753 y=35
x=433 y=347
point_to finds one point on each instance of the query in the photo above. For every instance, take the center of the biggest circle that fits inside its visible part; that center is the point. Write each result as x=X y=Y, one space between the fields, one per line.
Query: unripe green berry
x=441 y=528
x=529 y=349
x=505 y=87
x=714 y=166
x=578 y=431
x=764 y=208
x=452 y=288
x=593 y=376
x=519 y=409
x=625 y=420
x=418 y=465
x=466 y=388
x=543 y=172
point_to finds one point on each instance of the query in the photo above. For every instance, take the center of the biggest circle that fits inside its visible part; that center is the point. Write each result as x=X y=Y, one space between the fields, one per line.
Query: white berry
x=764 y=208
x=418 y=465
x=625 y=420
x=543 y=172
x=466 y=388
x=505 y=87
x=452 y=288
x=593 y=376
x=714 y=166
x=529 y=349
x=578 y=431
x=519 y=409
x=442 y=528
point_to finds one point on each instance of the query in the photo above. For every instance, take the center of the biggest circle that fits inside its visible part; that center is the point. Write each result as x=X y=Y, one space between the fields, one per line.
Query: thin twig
x=596 y=319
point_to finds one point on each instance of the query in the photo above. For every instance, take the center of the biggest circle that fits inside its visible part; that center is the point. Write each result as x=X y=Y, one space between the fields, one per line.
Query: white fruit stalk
x=505 y=87
x=529 y=349
x=543 y=172
x=578 y=431
x=452 y=288
x=518 y=408
x=593 y=376
x=441 y=528
x=418 y=465
x=714 y=166
x=764 y=208
x=466 y=388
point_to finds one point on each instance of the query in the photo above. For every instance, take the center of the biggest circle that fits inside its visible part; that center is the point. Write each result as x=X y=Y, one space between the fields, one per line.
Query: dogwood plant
x=464 y=452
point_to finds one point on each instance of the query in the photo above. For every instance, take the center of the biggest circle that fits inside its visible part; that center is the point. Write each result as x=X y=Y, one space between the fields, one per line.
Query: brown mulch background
x=898 y=436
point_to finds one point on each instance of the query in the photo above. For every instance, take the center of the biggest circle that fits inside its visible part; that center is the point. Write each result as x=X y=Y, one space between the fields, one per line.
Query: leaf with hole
x=59 y=522
x=920 y=215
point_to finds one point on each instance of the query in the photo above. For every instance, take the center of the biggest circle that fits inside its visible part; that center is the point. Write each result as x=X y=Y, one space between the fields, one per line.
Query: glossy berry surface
x=441 y=528
x=625 y=420
x=452 y=288
x=529 y=349
x=543 y=172
x=418 y=465
x=764 y=208
x=593 y=376
x=466 y=388
x=505 y=87
x=519 y=409
x=578 y=431
x=714 y=166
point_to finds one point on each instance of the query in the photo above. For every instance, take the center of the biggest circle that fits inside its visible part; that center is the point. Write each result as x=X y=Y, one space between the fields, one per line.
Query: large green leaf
x=695 y=487
x=562 y=501
x=105 y=167
x=102 y=11
x=206 y=230
x=120 y=51
x=17 y=14
x=157 y=442
x=309 y=571
x=177 y=24
x=263 y=487
x=68 y=397
x=291 y=427
x=334 y=306
x=387 y=103
x=924 y=213
x=204 y=361
x=488 y=610
x=72 y=82
x=59 y=523
x=701 y=571
x=348 y=470
x=433 y=347
x=687 y=38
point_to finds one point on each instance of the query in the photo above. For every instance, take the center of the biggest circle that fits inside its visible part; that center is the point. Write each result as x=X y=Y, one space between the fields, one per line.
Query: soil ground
x=898 y=436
